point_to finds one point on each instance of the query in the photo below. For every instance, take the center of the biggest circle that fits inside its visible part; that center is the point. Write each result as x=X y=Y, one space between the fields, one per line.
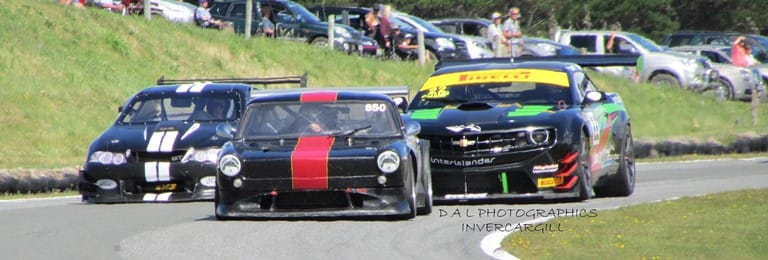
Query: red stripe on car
x=309 y=163
x=325 y=96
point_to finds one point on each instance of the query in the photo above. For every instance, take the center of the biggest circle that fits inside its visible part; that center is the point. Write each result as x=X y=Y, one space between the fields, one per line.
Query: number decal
x=437 y=92
x=375 y=107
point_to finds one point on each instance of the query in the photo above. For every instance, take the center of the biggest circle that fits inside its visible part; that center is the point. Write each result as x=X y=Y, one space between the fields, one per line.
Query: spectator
x=203 y=17
x=751 y=60
x=494 y=32
x=385 y=25
x=739 y=52
x=266 y=21
x=512 y=32
x=75 y=3
x=612 y=44
x=109 y=5
x=405 y=46
x=372 y=21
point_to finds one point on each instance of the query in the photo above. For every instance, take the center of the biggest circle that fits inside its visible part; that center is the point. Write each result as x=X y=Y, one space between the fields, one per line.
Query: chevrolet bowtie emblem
x=464 y=142
x=461 y=128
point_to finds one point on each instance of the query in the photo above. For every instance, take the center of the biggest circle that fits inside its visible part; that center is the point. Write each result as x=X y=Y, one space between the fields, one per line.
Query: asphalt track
x=64 y=228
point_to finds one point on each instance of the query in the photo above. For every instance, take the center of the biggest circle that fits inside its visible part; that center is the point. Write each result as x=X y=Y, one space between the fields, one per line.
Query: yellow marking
x=549 y=182
x=436 y=83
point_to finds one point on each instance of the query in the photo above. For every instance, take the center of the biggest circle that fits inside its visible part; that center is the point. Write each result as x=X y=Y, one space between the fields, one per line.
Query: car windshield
x=154 y=109
x=522 y=93
x=645 y=42
x=421 y=23
x=269 y=120
x=305 y=14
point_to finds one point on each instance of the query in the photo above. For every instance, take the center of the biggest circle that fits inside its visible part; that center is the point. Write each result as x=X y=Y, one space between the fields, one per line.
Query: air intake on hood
x=474 y=106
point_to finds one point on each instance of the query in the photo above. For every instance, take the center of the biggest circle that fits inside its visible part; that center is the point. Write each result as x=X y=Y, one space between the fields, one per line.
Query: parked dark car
x=311 y=153
x=439 y=45
x=293 y=21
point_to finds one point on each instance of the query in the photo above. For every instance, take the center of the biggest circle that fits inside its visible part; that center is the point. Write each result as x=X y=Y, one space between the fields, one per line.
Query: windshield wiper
x=352 y=131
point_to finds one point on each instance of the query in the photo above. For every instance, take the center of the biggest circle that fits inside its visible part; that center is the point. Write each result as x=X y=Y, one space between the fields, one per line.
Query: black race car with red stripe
x=530 y=129
x=307 y=154
x=164 y=143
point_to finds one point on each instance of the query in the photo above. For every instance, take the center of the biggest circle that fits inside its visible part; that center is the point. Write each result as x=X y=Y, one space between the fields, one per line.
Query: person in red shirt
x=739 y=52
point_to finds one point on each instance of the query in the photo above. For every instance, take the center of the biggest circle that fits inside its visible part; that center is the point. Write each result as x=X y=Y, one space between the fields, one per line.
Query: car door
x=599 y=120
x=287 y=23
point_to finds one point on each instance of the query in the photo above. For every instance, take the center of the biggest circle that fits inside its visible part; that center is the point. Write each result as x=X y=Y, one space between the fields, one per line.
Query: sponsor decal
x=549 y=182
x=309 y=163
x=549 y=168
x=165 y=187
x=463 y=163
x=460 y=128
x=557 y=78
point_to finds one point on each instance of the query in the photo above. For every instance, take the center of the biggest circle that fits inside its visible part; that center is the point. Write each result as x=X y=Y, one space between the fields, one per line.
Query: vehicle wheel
x=427 y=189
x=583 y=171
x=665 y=79
x=623 y=182
x=320 y=41
x=410 y=192
x=723 y=90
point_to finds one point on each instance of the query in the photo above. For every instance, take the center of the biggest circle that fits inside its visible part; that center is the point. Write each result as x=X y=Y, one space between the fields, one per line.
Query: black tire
x=623 y=182
x=583 y=170
x=427 y=187
x=723 y=90
x=410 y=192
x=665 y=79
x=320 y=41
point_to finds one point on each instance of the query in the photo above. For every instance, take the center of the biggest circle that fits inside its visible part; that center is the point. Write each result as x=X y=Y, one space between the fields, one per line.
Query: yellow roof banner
x=557 y=78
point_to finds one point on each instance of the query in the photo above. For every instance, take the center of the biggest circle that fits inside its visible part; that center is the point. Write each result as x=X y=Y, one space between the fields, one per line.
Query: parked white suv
x=656 y=65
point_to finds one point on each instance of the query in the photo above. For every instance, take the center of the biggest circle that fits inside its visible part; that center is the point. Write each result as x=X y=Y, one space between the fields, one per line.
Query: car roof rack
x=301 y=80
x=588 y=60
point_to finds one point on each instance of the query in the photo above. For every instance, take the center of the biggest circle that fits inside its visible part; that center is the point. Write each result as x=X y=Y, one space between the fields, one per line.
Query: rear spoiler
x=301 y=80
x=399 y=94
x=593 y=60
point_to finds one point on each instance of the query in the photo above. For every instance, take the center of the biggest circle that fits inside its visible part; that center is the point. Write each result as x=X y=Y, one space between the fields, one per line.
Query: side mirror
x=412 y=128
x=593 y=97
x=225 y=130
x=401 y=103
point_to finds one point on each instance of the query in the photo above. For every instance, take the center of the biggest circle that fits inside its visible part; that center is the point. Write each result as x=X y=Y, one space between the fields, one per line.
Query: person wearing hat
x=372 y=21
x=203 y=17
x=512 y=32
x=493 y=33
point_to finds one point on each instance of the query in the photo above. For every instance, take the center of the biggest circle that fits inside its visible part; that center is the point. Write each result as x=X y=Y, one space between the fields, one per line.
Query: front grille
x=490 y=143
x=174 y=156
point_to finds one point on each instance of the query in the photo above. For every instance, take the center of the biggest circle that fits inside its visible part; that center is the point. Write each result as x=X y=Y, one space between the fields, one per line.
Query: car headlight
x=229 y=165
x=388 y=161
x=201 y=155
x=445 y=43
x=107 y=158
x=339 y=31
x=539 y=136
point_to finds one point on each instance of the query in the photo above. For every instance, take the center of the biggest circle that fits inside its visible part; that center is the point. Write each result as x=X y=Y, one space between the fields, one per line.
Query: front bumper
x=538 y=175
x=313 y=203
x=148 y=182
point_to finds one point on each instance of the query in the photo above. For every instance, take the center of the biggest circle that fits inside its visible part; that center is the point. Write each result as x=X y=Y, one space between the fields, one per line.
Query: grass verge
x=719 y=226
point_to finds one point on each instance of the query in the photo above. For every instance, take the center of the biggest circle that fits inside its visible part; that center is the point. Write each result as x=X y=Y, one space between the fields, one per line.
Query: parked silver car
x=737 y=83
x=656 y=65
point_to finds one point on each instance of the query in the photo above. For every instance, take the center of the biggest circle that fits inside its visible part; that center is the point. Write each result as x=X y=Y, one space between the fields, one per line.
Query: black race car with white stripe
x=164 y=143
x=323 y=154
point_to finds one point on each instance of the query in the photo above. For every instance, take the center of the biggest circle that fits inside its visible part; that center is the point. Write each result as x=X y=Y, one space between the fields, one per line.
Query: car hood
x=166 y=136
x=484 y=117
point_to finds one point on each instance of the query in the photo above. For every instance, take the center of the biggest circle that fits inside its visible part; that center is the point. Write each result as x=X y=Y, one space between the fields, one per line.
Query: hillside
x=65 y=72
